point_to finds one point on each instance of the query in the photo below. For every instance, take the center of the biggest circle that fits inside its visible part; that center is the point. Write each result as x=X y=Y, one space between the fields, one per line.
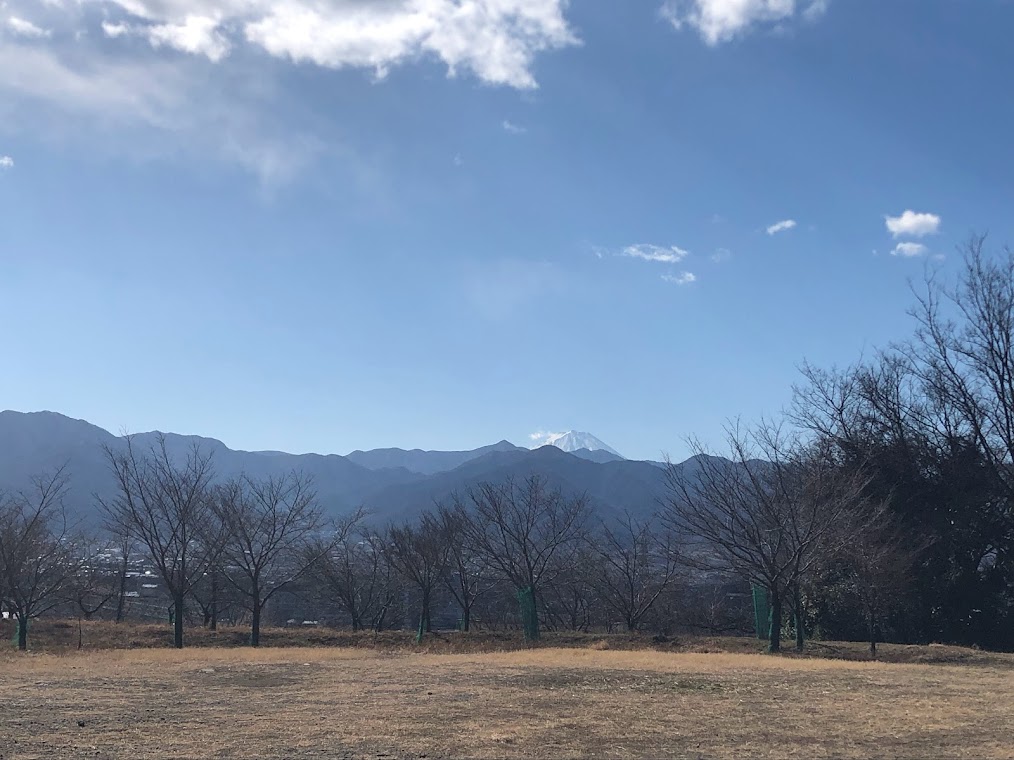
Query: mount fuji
x=573 y=442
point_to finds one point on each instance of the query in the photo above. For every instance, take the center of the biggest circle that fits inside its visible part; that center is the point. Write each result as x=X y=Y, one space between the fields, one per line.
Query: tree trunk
x=424 y=616
x=121 y=597
x=178 y=621
x=378 y=626
x=213 y=623
x=800 y=631
x=466 y=619
x=529 y=613
x=255 y=625
x=22 y=633
x=873 y=636
x=775 y=628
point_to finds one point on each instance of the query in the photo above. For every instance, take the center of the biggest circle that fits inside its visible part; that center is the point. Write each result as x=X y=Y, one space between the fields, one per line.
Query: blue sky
x=439 y=223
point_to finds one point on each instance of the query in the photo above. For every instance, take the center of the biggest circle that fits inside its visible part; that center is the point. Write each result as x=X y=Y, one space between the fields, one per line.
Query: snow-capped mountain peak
x=572 y=440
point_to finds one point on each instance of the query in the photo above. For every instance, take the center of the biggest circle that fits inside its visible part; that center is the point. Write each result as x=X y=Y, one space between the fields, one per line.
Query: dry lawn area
x=544 y=703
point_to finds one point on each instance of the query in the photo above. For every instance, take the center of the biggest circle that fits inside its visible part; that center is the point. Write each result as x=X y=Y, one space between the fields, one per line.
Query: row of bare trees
x=930 y=422
x=256 y=539
x=773 y=511
x=781 y=511
x=500 y=542
x=258 y=536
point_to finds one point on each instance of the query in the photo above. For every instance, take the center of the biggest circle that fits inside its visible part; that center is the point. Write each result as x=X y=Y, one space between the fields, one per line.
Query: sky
x=323 y=226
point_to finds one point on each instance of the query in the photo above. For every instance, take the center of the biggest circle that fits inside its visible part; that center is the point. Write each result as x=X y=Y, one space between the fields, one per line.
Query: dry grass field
x=305 y=702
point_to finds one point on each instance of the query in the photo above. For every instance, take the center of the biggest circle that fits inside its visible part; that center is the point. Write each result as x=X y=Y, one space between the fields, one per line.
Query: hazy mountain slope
x=423 y=462
x=611 y=487
x=598 y=455
x=41 y=442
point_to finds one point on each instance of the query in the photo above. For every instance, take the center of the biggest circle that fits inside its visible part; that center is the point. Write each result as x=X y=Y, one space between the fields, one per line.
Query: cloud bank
x=495 y=40
x=152 y=77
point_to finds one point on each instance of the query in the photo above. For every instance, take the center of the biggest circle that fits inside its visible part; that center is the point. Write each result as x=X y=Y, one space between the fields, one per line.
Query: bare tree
x=567 y=598
x=272 y=532
x=125 y=546
x=522 y=528
x=769 y=512
x=421 y=553
x=38 y=559
x=166 y=505
x=356 y=573
x=467 y=577
x=634 y=563
x=93 y=585
x=966 y=361
x=880 y=557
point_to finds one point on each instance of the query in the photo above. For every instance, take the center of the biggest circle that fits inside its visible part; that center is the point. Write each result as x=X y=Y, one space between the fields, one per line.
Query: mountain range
x=391 y=483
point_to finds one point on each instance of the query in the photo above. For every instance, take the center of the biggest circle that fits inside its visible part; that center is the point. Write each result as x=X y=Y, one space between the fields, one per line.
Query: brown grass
x=542 y=703
x=59 y=636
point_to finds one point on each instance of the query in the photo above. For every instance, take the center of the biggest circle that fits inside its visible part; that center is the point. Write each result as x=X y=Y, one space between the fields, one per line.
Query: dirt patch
x=248 y=677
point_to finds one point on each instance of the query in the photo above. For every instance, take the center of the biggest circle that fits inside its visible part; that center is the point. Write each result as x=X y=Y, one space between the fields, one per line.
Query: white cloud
x=512 y=128
x=912 y=224
x=662 y=254
x=114 y=30
x=197 y=35
x=6 y=162
x=720 y=255
x=718 y=21
x=542 y=437
x=24 y=28
x=683 y=278
x=909 y=250
x=497 y=40
x=788 y=224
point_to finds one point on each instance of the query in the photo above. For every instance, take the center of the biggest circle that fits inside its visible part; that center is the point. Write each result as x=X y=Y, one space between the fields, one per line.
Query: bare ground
x=541 y=703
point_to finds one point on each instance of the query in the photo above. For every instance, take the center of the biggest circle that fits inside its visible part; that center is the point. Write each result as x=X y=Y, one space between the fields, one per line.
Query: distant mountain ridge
x=389 y=482
x=423 y=462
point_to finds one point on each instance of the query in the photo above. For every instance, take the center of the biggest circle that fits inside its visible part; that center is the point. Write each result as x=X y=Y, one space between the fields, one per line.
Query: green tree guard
x=423 y=620
x=761 y=612
x=529 y=613
x=775 y=626
x=20 y=636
